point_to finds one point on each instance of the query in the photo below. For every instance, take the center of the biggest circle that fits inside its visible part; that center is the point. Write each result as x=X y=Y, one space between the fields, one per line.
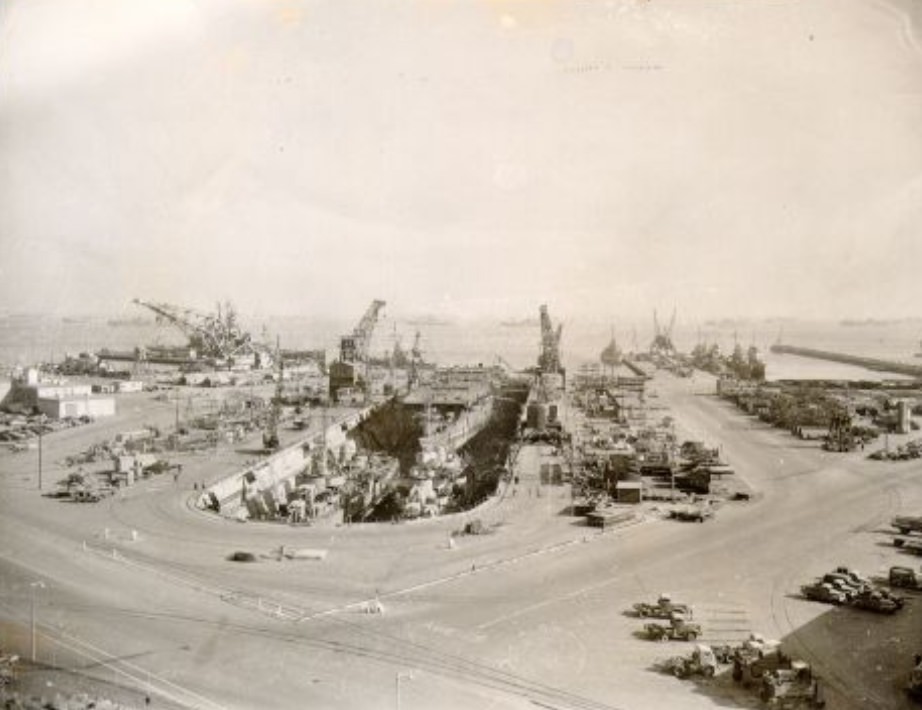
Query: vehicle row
x=781 y=680
x=843 y=586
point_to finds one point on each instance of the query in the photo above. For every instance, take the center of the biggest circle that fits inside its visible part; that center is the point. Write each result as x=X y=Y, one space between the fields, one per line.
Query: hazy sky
x=732 y=157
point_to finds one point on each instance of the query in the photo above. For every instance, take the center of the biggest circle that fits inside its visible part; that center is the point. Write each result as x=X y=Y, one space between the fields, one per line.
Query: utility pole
x=33 y=586
x=397 y=678
x=41 y=429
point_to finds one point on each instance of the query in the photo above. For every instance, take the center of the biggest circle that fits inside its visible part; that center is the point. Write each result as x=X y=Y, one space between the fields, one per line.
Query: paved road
x=531 y=613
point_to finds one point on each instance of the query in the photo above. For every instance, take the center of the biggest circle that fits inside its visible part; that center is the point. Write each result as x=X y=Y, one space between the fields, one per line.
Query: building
x=74 y=407
x=29 y=393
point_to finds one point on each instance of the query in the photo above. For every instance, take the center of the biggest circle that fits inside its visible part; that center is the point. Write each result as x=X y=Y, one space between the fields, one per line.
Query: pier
x=900 y=368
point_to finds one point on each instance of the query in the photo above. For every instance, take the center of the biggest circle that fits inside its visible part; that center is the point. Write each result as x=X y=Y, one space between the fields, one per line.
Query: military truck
x=907 y=523
x=904 y=578
x=691 y=513
x=793 y=687
x=909 y=544
x=701 y=661
x=677 y=629
x=878 y=600
x=662 y=608
x=756 y=657
x=823 y=592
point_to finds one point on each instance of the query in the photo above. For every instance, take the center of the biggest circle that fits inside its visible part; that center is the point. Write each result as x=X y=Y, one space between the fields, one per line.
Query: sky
x=463 y=157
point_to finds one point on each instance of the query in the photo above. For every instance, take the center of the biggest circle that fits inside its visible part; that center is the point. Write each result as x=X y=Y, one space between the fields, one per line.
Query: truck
x=907 y=523
x=823 y=592
x=691 y=513
x=662 y=608
x=904 y=578
x=678 y=629
x=793 y=687
x=878 y=600
x=909 y=544
x=701 y=661
x=843 y=583
x=756 y=657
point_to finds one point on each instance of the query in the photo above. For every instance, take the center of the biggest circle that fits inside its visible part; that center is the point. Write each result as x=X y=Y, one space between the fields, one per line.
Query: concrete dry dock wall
x=280 y=468
x=900 y=368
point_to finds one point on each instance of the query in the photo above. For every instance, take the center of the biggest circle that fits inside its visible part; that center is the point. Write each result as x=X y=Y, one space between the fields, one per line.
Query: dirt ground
x=532 y=613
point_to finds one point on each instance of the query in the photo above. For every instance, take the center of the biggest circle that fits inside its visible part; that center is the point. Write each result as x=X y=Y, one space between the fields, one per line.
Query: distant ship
x=876 y=322
x=611 y=355
x=520 y=323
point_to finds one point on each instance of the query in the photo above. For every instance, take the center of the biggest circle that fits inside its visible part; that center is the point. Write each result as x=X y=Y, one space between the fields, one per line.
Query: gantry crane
x=217 y=336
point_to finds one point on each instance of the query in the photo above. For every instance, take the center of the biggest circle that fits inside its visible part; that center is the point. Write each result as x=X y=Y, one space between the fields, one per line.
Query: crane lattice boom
x=212 y=335
x=662 y=336
x=354 y=347
x=549 y=360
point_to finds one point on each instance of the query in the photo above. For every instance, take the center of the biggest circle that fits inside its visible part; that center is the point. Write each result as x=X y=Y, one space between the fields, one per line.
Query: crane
x=662 y=337
x=549 y=359
x=271 y=434
x=351 y=370
x=416 y=352
x=212 y=335
x=354 y=347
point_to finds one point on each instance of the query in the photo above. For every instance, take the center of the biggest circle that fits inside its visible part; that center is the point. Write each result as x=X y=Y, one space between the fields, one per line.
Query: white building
x=86 y=406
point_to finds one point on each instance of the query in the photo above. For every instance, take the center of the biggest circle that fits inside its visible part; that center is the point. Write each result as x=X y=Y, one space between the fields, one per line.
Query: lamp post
x=397 y=678
x=34 y=585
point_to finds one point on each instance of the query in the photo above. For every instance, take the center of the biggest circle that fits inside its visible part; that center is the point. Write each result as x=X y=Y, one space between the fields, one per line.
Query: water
x=45 y=338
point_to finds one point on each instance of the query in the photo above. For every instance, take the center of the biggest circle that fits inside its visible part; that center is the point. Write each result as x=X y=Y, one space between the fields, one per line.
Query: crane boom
x=549 y=360
x=214 y=335
x=354 y=347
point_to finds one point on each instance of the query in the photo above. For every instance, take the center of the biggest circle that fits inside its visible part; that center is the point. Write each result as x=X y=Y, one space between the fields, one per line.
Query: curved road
x=530 y=614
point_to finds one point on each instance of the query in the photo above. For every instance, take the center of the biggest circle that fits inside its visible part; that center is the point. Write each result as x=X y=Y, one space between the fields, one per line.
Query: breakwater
x=870 y=363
